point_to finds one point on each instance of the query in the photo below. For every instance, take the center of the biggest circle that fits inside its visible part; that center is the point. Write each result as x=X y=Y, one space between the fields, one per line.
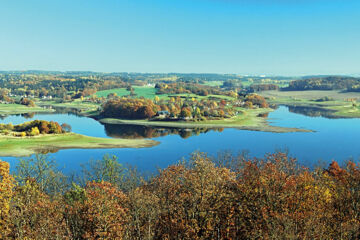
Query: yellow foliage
x=157 y=99
x=34 y=131
x=6 y=186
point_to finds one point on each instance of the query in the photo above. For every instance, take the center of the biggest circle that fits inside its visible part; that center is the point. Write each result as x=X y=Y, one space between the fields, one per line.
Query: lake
x=333 y=139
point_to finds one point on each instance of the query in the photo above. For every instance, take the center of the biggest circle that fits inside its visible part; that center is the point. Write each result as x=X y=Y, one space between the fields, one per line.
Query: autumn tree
x=185 y=113
x=66 y=127
x=43 y=171
x=35 y=215
x=101 y=213
x=107 y=169
x=6 y=193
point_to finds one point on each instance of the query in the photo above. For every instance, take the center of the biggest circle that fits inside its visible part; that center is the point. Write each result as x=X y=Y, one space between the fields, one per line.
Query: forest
x=34 y=128
x=263 y=87
x=59 y=84
x=178 y=108
x=73 y=85
x=230 y=196
x=325 y=83
x=182 y=87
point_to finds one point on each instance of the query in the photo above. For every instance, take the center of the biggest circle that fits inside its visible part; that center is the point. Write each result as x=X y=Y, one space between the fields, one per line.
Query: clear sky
x=288 y=37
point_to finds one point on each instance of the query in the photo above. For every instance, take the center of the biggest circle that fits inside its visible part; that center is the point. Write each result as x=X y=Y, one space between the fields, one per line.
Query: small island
x=40 y=136
x=247 y=113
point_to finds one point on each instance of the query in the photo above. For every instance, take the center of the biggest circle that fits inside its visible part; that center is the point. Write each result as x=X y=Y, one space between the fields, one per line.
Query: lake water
x=333 y=139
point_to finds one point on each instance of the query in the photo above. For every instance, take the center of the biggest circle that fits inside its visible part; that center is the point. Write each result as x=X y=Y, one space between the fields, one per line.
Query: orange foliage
x=233 y=198
x=6 y=187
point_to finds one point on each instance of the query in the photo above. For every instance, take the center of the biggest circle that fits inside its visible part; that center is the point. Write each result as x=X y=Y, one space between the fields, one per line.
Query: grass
x=150 y=93
x=7 y=109
x=213 y=83
x=144 y=91
x=246 y=83
x=85 y=108
x=341 y=107
x=310 y=95
x=26 y=146
x=247 y=120
x=196 y=96
x=348 y=111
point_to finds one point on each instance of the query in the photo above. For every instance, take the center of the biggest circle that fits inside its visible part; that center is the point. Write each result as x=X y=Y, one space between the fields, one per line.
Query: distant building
x=46 y=97
x=163 y=114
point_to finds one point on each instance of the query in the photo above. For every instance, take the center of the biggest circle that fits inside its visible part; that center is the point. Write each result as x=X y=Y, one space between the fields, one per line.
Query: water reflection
x=263 y=115
x=46 y=151
x=313 y=111
x=58 y=110
x=28 y=115
x=140 y=132
x=63 y=110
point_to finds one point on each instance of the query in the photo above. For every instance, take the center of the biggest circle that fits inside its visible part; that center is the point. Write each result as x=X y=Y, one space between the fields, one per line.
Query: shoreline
x=340 y=110
x=249 y=120
x=25 y=146
x=339 y=107
x=261 y=125
x=11 y=109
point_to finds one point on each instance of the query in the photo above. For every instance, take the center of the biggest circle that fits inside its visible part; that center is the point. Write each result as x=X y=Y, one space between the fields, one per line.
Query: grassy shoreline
x=8 y=109
x=249 y=120
x=26 y=146
x=84 y=108
x=339 y=107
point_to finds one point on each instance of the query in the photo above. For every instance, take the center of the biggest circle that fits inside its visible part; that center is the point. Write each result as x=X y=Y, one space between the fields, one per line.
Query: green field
x=150 y=93
x=310 y=95
x=247 y=120
x=185 y=95
x=213 y=83
x=26 y=146
x=19 y=109
x=85 y=108
x=146 y=92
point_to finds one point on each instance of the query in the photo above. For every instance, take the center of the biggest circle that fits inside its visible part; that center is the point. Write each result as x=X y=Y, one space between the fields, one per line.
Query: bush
x=27 y=102
x=66 y=127
x=185 y=113
x=257 y=100
x=130 y=108
x=36 y=127
x=34 y=131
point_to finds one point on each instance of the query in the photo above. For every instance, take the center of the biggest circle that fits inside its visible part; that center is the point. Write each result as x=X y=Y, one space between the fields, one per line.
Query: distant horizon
x=218 y=73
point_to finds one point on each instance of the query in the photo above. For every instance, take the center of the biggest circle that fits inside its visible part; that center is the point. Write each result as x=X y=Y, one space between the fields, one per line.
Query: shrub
x=34 y=131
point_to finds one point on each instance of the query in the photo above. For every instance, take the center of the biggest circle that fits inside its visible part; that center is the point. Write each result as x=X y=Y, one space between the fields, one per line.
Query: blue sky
x=284 y=37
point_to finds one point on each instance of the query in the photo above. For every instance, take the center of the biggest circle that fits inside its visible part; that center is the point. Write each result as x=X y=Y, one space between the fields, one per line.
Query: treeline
x=34 y=128
x=175 y=108
x=177 y=88
x=354 y=88
x=60 y=85
x=129 y=108
x=325 y=83
x=263 y=87
x=230 y=197
x=254 y=100
x=191 y=88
